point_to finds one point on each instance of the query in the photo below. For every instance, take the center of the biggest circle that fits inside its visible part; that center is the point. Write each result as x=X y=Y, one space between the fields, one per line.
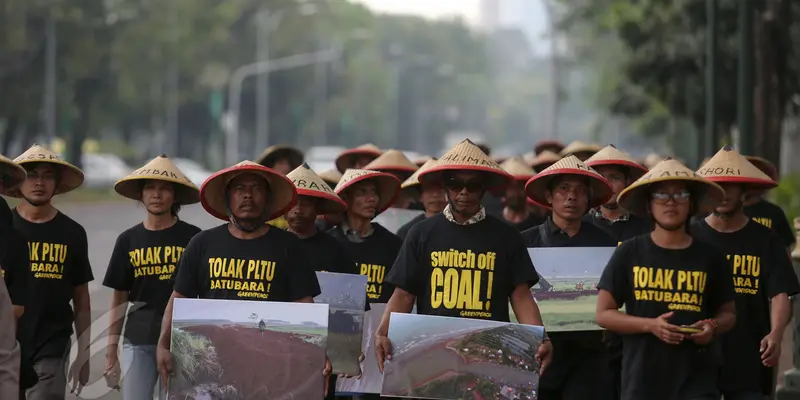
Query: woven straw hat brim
x=282 y=191
x=328 y=204
x=346 y=159
x=546 y=159
x=388 y=187
x=413 y=180
x=518 y=169
x=274 y=153
x=331 y=176
x=496 y=179
x=635 y=170
x=547 y=145
x=536 y=187
x=70 y=176
x=579 y=147
x=635 y=197
x=159 y=169
x=308 y=183
x=15 y=173
x=765 y=166
x=728 y=166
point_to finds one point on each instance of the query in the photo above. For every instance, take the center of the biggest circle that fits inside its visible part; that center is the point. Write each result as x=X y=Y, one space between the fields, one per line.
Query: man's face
x=616 y=177
x=569 y=197
x=432 y=197
x=670 y=203
x=465 y=189
x=283 y=166
x=734 y=199
x=362 y=199
x=303 y=214
x=362 y=161
x=248 y=194
x=515 y=196
x=41 y=183
x=158 y=196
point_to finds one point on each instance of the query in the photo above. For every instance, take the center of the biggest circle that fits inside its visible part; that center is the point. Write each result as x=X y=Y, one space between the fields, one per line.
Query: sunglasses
x=678 y=198
x=472 y=185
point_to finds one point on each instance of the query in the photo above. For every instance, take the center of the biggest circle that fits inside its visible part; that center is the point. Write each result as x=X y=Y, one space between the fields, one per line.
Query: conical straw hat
x=12 y=173
x=70 y=178
x=518 y=168
x=276 y=152
x=347 y=158
x=529 y=157
x=499 y=158
x=652 y=160
x=705 y=160
x=570 y=165
x=547 y=145
x=466 y=156
x=610 y=155
x=422 y=160
x=282 y=192
x=160 y=168
x=764 y=165
x=308 y=183
x=706 y=193
x=578 y=146
x=544 y=160
x=413 y=180
x=728 y=166
x=392 y=161
x=332 y=176
x=388 y=185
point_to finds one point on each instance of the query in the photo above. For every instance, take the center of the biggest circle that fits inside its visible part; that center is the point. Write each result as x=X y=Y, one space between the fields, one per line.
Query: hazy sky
x=240 y=310
x=468 y=9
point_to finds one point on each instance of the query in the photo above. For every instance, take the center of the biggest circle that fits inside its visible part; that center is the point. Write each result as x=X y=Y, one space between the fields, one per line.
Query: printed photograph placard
x=567 y=288
x=394 y=218
x=235 y=349
x=461 y=358
x=346 y=294
x=371 y=378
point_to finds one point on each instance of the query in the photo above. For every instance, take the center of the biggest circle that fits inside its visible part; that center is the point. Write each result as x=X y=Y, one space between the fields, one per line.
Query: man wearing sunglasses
x=570 y=188
x=677 y=292
x=461 y=262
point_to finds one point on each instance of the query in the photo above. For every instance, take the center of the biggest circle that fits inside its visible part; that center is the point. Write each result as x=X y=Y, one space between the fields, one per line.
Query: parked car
x=103 y=170
x=194 y=171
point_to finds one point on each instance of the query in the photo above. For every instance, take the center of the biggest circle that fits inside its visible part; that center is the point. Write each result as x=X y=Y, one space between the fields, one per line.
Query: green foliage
x=195 y=358
x=787 y=196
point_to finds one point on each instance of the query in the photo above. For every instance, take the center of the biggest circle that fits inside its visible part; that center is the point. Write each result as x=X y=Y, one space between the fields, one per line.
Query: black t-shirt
x=550 y=235
x=773 y=217
x=273 y=267
x=463 y=270
x=649 y=281
x=493 y=205
x=528 y=223
x=15 y=264
x=621 y=230
x=374 y=257
x=326 y=254
x=5 y=213
x=403 y=231
x=761 y=270
x=59 y=262
x=142 y=264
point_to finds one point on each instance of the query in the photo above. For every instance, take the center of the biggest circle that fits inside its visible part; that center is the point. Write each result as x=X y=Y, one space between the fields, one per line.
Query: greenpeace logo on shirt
x=47 y=259
x=457 y=279
x=375 y=274
x=746 y=272
x=764 y=221
x=155 y=261
x=683 y=290
x=248 y=278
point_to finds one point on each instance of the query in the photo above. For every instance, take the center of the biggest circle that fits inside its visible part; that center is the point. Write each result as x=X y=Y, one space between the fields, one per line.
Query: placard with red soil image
x=248 y=350
x=461 y=358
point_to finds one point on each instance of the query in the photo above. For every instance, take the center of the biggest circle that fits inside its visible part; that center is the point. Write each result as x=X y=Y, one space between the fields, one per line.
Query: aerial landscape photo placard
x=394 y=218
x=461 y=358
x=346 y=294
x=567 y=288
x=371 y=378
x=247 y=350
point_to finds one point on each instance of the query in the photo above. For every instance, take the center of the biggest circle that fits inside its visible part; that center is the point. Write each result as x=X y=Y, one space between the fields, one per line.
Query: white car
x=194 y=171
x=102 y=170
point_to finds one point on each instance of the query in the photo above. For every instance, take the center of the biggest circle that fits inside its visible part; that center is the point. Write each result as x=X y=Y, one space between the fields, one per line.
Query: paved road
x=103 y=222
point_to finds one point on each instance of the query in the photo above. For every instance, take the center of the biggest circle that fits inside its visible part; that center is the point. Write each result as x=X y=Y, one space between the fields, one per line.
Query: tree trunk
x=769 y=102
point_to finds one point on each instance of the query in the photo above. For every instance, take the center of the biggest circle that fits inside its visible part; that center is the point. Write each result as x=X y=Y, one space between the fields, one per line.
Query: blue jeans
x=140 y=373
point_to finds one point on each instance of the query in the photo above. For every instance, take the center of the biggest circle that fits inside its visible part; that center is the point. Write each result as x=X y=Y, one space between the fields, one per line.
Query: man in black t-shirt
x=245 y=259
x=463 y=244
x=620 y=171
x=14 y=259
x=396 y=163
x=766 y=212
x=517 y=212
x=677 y=292
x=370 y=245
x=430 y=195
x=60 y=274
x=569 y=188
x=762 y=275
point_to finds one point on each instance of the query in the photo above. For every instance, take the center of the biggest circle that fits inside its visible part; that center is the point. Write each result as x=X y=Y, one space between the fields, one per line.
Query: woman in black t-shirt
x=431 y=196
x=765 y=212
x=140 y=272
x=677 y=291
x=14 y=259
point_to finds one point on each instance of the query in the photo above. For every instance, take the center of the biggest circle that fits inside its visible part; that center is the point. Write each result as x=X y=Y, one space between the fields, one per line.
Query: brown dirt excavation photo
x=346 y=294
x=567 y=288
x=459 y=358
x=248 y=350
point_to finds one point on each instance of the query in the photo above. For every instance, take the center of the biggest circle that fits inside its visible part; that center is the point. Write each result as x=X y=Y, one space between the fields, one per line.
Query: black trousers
x=578 y=375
